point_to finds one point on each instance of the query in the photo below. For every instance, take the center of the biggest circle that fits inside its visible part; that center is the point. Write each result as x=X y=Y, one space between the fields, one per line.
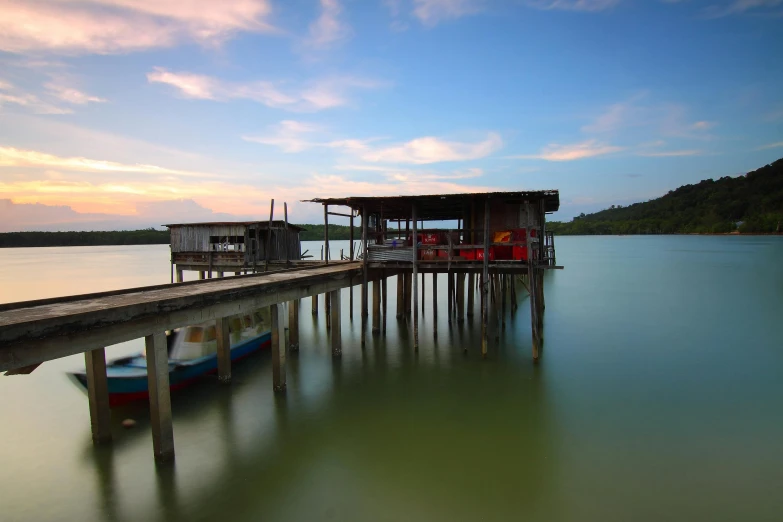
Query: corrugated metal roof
x=439 y=206
x=263 y=224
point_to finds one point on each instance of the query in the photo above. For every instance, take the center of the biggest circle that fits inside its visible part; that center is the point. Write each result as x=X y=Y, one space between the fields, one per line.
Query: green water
x=659 y=396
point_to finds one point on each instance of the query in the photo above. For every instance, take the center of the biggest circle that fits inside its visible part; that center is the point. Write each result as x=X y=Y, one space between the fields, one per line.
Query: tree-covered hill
x=752 y=203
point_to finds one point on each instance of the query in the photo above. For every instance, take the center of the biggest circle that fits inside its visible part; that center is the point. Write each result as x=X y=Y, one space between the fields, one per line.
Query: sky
x=118 y=114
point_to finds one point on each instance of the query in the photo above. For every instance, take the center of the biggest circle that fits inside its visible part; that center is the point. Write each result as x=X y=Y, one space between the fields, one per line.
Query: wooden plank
x=160 y=398
x=223 y=349
x=36 y=334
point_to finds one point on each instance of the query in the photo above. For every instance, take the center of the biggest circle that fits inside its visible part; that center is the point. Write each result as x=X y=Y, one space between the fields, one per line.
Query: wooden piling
x=293 y=325
x=450 y=291
x=503 y=291
x=460 y=298
x=223 y=349
x=408 y=292
x=201 y=274
x=278 y=354
x=485 y=285
x=384 y=303
x=415 y=277
x=365 y=269
x=98 y=395
x=315 y=304
x=400 y=295
x=326 y=234
x=435 y=303
x=376 y=306
x=471 y=289
x=160 y=397
x=336 y=336
x=179 y=275
x=328 y=310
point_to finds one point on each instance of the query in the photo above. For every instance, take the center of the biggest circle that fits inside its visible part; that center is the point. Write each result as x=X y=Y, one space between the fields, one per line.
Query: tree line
x=752 y=203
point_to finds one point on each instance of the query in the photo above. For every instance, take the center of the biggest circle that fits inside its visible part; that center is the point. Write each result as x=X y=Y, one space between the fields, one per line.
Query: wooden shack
x=238 y=247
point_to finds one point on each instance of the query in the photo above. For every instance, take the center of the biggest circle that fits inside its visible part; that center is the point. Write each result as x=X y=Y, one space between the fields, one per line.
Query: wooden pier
x=34 y=332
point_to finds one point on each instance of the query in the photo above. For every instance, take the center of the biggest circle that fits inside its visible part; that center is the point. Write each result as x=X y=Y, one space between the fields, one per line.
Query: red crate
x=427 y=254
x=519 y=253
x=431 y=238
x=502 y=252
x=480 y=254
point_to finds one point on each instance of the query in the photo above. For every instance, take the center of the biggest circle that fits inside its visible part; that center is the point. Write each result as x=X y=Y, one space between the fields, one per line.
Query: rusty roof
x=277 y=223
x=439 y=206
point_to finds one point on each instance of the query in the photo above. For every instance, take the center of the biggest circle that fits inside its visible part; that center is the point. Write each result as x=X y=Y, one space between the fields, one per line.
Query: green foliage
x=148 y=236
x=752 y=203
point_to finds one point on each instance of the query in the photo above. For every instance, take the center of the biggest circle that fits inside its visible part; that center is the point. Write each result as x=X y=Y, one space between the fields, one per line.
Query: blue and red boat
x=192 y=354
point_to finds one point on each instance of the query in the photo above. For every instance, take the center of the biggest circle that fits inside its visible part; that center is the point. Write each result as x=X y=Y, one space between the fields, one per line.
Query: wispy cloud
x=430 y=149
x=670 y=153
x=118 y=26
x=322 y=94
x=742 y=6
x=576 y=151
x=11 y=95
x=294 y=136
x=329 y=28
x=573 y=5
x=432 y=12
x=771 y=146
x=14 y=157
x=71 y=95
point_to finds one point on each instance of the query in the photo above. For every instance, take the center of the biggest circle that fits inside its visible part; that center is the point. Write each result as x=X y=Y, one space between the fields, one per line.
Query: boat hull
x=128 y=382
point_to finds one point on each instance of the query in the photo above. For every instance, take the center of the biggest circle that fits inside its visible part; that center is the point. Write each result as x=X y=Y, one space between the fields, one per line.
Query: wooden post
x=503 y=291
x=160 y=396
x=423 y=287
x=179 y=275
x=415 y=281
x=337 y=343
x=315 y=304
x=460 y=297
x=384 y=301
x=285 y=216
x=451 y=293
x=435 y=303
x=485 y=285
x=201 y=274
x=267 y=253
x=326 y=233
x=223 y=349
x=400 y=295
x=376 y=306
x=278 y=355
x=471 y=288
x=408 y=292
x=531 y=281
x=350 y=256
x=327 y=310
x=220 y=273
x=98 y=395
x=293 y=325
x=365 y=267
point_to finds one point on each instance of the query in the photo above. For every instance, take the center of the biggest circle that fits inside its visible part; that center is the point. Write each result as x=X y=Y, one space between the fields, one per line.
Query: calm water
x=658 y=397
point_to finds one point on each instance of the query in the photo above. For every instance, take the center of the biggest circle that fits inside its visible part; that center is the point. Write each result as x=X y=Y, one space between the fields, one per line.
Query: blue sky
x=119 y=113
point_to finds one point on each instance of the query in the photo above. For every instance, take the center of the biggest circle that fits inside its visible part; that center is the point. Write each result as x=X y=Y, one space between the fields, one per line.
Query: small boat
x=192 y=354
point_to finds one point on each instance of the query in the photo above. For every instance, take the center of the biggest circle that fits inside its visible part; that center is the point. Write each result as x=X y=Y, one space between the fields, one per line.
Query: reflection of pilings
x=450 y=291
x=471 y=288
x=376 y=306
x=104 y=464
x=408 y=292
x=384 y=291
x=168 y=497
x=336 y=338
x=435 y=303
x=460 y=297
x=293 y=325
x=327 y=310
x=223 y=349
x=400 y=295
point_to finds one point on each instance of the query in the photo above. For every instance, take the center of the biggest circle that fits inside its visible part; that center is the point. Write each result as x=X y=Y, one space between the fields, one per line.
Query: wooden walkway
x=32 y=332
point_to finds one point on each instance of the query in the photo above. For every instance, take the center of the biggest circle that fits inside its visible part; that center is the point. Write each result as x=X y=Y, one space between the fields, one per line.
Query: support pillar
x=98 y=395
x=160 y=396
x=451 y=294
x=471 y=289
x=485 y=285
x=315 y=304
x=408 y=292
x=400 y=295
x=534 y=312
x=220 y=273
x=376 y=306
x=278 y=355
x=327 y=310
x=293 y=325
x=337 y=342
x=223 y=349
x=201 y=274
x=179 y=275
x=435 y=303
x=460 y=298
x=415 y=279
x=384 y=301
